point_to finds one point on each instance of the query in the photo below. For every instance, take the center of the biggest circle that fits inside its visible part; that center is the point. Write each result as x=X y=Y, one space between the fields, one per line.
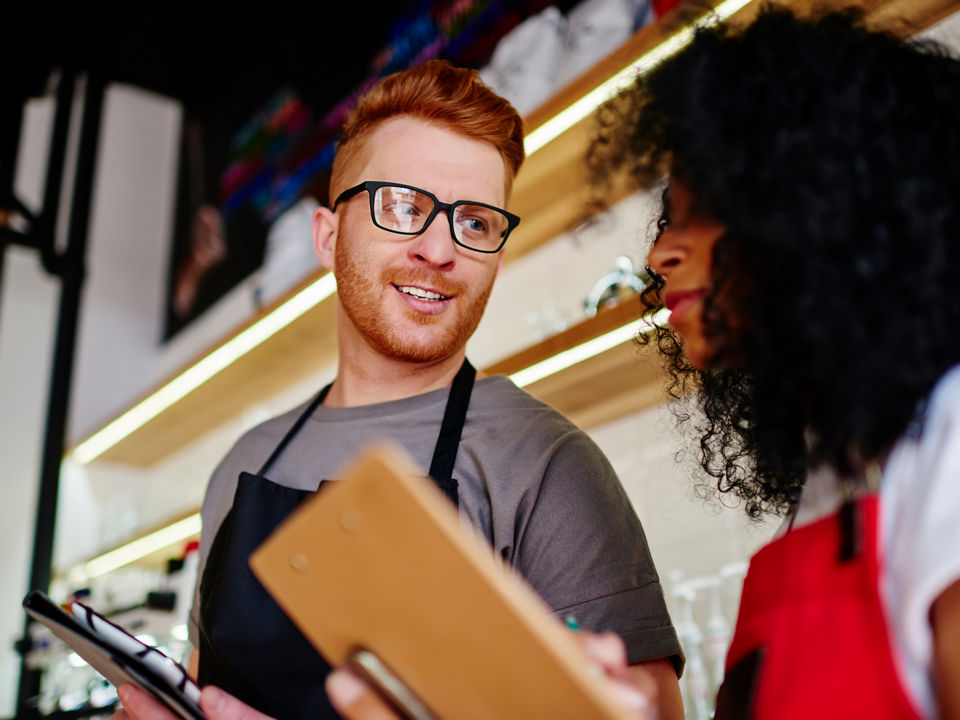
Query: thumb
x=219 y=705
x=354 y=699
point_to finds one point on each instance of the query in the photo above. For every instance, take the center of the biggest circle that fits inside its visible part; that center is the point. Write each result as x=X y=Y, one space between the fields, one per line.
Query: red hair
x=439 y=93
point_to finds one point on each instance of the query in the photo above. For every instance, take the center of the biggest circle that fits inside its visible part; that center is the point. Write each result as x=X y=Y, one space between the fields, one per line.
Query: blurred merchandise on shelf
x=548 y=50
x=289 y=255
x=614 y=287
x=703 y=609
x=695 y=683
x=524 y=64
x=716 y=638
x=595 y=28
x=662 y=7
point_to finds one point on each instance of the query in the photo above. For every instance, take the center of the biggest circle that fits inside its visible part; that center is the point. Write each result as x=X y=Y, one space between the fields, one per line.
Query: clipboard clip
x=368 y=666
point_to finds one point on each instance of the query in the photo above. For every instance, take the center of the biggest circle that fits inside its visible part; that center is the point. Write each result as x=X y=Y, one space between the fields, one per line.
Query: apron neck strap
x=448 y=442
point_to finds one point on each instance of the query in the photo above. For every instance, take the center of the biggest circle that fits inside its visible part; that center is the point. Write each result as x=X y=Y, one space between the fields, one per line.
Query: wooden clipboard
x=379 y=560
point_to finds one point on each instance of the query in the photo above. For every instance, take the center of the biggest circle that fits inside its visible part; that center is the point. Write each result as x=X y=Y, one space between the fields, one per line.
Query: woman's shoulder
x=944 y=399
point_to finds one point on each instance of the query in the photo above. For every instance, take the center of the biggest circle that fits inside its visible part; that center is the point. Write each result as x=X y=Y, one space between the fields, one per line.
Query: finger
x=630 y=697
x=605 y=649
x=220 y=705
x=140 y=705
x=628 y=689
x=354 y=699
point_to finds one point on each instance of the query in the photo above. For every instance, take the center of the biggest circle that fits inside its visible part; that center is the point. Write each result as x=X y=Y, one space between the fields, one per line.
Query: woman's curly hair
x=831 y=154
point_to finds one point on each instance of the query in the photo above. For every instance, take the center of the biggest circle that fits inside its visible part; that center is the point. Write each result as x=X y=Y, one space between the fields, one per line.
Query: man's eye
x=402 y=209
x=476 y=225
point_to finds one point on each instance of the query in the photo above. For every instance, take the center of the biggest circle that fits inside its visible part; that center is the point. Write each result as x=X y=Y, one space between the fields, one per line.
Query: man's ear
x=325 y=225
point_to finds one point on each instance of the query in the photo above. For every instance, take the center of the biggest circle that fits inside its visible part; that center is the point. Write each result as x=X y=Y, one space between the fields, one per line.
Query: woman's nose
x=666 y=254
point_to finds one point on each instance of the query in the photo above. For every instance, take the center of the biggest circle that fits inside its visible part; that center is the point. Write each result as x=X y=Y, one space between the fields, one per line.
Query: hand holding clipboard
x=379 y=562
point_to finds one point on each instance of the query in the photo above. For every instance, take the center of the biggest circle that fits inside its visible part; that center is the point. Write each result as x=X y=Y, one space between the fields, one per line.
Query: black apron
x=248 y=645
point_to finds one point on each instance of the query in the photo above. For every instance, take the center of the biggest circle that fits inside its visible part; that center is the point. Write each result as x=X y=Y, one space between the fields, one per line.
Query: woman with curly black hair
x=809 y=254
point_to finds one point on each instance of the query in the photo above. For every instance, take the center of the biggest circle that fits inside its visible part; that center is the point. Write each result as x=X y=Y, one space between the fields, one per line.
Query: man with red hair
x=414 y=236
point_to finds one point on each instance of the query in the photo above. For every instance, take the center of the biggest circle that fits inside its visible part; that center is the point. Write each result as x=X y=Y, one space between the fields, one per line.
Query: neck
x=365 y=375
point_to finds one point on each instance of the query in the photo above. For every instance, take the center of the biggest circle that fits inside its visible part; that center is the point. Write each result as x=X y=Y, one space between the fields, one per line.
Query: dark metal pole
x=9 y=141
x=46 y=226
x=42 y=229
x=70 y=265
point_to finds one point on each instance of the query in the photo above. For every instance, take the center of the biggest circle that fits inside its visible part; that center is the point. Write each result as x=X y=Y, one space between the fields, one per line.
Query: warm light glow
x=194 y=376
x=570 y=116
x=587 y=350
x=140 y=548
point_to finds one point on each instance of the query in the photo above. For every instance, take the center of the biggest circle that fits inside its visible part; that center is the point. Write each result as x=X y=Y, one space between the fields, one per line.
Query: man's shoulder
x=518 y=418
x=259 y=441
x=498 y=392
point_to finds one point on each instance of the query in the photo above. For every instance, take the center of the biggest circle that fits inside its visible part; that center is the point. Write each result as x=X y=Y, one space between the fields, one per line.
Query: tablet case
x=118 y=655
x=379 y=560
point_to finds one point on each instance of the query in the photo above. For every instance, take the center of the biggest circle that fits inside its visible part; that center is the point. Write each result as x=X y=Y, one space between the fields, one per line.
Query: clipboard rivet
x=299 y=562
x=349 y=521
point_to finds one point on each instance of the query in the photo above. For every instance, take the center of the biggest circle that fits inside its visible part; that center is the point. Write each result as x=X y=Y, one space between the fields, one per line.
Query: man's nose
x=435 y=246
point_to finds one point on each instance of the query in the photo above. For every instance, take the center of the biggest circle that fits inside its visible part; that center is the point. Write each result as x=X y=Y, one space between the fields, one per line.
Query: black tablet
x=118 y=655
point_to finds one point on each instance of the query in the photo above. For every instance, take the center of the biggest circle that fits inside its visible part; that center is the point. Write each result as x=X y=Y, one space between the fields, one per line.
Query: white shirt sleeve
x=920 y=498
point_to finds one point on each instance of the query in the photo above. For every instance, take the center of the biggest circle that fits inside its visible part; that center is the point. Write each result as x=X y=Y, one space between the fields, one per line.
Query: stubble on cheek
x=441 y=335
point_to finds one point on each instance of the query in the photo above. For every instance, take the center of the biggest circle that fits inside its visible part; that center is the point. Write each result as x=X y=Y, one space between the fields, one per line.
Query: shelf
x=622 y=380
x=550 y=193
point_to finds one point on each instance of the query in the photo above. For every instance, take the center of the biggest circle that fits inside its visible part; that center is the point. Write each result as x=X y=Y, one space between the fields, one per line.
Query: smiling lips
x=421 y=293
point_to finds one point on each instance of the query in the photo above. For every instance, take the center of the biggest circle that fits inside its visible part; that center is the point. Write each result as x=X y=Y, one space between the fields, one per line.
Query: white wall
x=27 y=315
x=28 y=306
x=117 y=353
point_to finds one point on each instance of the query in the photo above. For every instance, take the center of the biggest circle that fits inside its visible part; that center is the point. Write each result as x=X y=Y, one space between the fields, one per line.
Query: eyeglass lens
x=405 y=210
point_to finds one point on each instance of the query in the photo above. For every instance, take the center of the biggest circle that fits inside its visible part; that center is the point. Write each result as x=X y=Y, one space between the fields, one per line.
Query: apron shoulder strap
x=295 y=428
x=448 y=442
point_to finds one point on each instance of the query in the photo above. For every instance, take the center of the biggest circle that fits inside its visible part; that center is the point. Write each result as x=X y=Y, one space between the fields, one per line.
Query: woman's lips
x=679 y=301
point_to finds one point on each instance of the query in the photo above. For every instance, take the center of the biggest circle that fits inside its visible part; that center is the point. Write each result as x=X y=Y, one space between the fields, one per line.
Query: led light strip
x=588 y=349
x=194 y=376
x=140 y=548
x=570 y=116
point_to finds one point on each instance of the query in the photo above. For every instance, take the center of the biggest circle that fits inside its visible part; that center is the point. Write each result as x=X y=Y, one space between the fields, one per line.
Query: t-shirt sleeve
x=583 y=550
x=216 y=503
x=922 y=509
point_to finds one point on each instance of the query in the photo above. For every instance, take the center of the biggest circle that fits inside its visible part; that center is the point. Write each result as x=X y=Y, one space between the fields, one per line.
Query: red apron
x=811 y=639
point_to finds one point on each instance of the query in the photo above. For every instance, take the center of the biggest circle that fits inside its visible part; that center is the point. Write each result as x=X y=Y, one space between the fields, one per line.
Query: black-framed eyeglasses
x=407 y=210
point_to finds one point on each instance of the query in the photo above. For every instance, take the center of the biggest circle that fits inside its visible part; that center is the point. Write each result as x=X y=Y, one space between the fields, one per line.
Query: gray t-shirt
x=534 y=484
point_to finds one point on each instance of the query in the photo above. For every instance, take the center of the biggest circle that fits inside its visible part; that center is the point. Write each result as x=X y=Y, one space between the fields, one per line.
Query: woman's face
x=683 y=256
